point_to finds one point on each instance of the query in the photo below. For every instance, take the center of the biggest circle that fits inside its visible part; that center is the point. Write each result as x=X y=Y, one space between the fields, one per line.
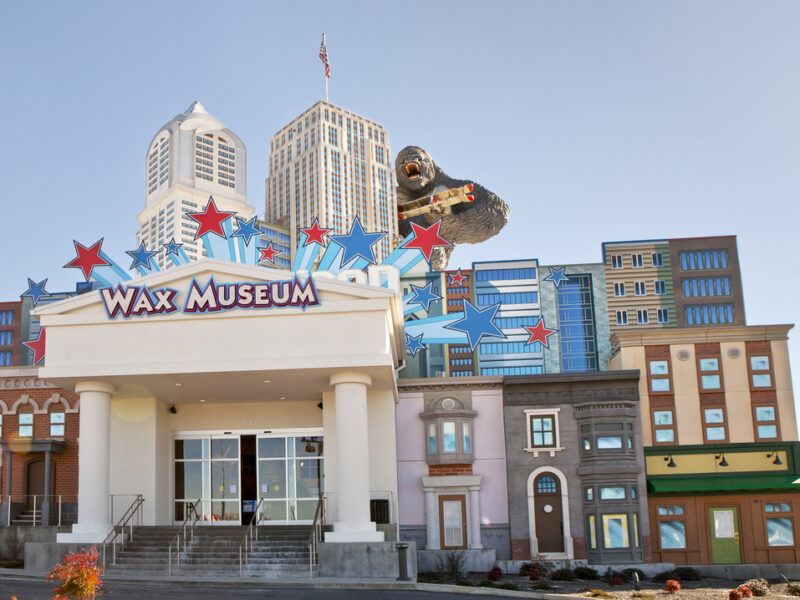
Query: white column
x=94 y=518
x=475 y=518
x=352 y=449
x=431 y=521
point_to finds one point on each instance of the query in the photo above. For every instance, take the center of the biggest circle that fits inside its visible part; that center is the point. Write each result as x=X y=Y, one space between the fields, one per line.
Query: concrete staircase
x=280 y=551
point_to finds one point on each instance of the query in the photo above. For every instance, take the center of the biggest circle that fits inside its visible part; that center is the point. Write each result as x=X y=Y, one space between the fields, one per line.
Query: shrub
x=793 y=589
x=494 y=574
x=586 y=573
x=599 y=594
x=537 y=566
x=451 y=564
x=542 y=585
x=679 y=573
x=746 y=591
x=759 y=587
x=486 y=583
x=563 y=575
x=735 y=594
x=78 y=576
x=672 y=586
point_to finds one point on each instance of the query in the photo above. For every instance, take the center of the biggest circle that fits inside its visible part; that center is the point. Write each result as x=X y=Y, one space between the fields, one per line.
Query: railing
x=247 y=541
x=316 y=535
x=134 y=512
x=176 y=543
x=39 y=508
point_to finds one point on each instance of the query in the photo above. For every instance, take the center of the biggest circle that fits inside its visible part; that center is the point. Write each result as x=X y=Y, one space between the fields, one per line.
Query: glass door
x=225 y=480
x=289 y=477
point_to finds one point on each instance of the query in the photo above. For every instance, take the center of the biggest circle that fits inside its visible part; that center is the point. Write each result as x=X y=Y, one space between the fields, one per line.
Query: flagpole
x=325 y=73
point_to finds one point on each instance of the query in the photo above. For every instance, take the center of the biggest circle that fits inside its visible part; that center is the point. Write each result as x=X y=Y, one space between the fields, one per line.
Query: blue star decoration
x=141 y=256
x=477 y=323
x=556 y=276
x=357 y=243
x=423 y=296
x=246 y=229
x=414 y=344
x=36 y=290
x=172 y=247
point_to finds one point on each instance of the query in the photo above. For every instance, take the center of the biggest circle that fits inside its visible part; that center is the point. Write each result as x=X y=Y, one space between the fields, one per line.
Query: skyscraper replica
x=334 y=165
x=192 y=157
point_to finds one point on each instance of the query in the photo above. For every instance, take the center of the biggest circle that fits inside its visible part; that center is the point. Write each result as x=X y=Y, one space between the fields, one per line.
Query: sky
x=595 y=121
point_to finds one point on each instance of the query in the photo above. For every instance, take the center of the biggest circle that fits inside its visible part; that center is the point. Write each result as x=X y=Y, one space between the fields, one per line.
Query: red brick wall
x=520 y=549
x=444 y=470
x=647 y=548
x=579 y=546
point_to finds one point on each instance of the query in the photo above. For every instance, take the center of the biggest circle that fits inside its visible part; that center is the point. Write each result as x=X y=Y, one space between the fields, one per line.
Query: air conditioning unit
x=441 y=373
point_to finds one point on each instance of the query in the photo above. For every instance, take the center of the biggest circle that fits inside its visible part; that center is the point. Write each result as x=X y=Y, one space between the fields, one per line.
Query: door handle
x=736 y=536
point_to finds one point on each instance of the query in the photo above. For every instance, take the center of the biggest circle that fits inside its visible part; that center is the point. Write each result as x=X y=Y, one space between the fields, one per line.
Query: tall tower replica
x=192 y=157
x=334 y=165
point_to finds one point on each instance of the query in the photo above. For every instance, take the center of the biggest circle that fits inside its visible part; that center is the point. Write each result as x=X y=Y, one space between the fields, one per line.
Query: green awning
x=722 y=484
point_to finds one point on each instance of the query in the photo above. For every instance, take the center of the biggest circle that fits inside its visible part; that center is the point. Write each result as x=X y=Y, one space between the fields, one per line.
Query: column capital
x=350 y=377
x=95 y=386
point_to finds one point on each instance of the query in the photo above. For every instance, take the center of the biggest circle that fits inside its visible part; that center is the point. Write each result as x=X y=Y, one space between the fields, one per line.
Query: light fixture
x=777 y=460
x=723 y=462
x=283 y=398
x=267 y=381
x=671 y=464
x=178 y=384
x=202 y=399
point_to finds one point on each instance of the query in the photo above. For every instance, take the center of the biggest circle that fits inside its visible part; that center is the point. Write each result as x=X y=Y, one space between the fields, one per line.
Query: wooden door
x=452 y=522
x=548 y=513
x=34 y=482
x=725 y=545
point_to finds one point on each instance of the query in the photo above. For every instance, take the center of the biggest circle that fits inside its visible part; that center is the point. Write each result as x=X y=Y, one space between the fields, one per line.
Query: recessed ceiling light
x=202 y=399
x=283 y=397
x=178 y=384
x=267 y=381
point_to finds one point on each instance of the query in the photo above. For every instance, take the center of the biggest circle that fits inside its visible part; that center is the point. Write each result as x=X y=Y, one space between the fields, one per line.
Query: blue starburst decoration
x=414 y=344
x=36 y=290
x=423 y=296
x=246 y=229
x=357 y=243
x=556 y=276
x=477 y=323
x=172 y=247
x=141 y=256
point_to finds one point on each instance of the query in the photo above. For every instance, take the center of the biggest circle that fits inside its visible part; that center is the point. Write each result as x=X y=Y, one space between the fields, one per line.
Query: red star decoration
x=210 y=220
x=315 y=233
x=457 y=278
x=88 y=258
x=426 y=239
x=540 y=333
x=268 y=253
x=37 y=346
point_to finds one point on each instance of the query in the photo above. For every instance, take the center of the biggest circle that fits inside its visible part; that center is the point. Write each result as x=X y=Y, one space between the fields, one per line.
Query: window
x=6 y=317
x=636 y=261
x=612 y=493
x=611 y=442
x=615 y=531
x=5 y=338
x=592 y=532
x=663 y=315
x=659 y=376
x=431 y=438
x=671 y=527
x=639 y=288
x=708 y=259
x=546 y=484
x=657 y=259
x=619 y=289
x=706 y=286
x=641 y=316
x=57 y=424
x=542 y=431
x=761 y=375
x=660 y=287
x=710 y=374
x=449 y=436
x=589 y=492
x=663 y=426
x=778 y=517
x=26 y=425
x=616 y=261
x=705 y=314
x=622 y=317
x=766 y=422
x=714 y=420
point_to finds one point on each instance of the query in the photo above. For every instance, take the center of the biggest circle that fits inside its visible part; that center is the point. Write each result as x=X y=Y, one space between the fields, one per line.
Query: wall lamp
x=723 y=462
x=777 y=460
x=671 y=464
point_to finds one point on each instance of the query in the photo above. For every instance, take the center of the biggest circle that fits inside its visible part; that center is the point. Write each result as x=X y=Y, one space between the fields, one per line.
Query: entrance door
x=548 y=514
x=452 y=522
x=724 y=523
x=34 y=482
x=249 y=472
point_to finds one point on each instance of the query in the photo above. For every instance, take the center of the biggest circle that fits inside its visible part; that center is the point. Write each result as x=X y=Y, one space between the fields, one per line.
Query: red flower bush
x=746 y=591
x=494 y=574
x=78 y=576
x=672 y=586
x=735 y=595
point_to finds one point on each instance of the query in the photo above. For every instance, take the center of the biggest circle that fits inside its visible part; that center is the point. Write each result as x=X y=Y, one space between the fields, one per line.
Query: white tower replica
x=192 y=157
x=332 y=164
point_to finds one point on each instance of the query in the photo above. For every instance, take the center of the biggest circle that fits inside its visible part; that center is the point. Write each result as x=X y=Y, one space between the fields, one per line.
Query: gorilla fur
x=465 y=223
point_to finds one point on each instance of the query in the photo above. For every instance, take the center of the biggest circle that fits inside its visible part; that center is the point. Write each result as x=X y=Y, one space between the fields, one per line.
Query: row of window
x=508 y=298
x=643 y=316
x=25 y=429
x=640 y=288
x=711 y=286
x=6 y=317
x=714 y=424
x=5 y=338
x=618 y=493
x=505 y=274
x=637 y=260
x=705 y=314
x=704 y=259
x=710 y=374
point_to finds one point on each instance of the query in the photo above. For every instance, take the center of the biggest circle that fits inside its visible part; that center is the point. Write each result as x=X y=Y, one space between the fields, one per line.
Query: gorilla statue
x=464 y=222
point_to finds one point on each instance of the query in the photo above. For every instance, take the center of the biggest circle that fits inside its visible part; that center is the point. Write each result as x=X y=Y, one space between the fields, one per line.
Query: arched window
x=546 y=484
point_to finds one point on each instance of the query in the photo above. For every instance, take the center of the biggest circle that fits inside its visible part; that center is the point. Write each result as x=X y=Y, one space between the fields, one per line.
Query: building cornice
x=22 y=378
x=699 y=335
x=445 y=383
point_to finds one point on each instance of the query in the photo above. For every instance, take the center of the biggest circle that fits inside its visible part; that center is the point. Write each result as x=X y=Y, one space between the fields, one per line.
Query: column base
x=91 y=533
x=354 y=532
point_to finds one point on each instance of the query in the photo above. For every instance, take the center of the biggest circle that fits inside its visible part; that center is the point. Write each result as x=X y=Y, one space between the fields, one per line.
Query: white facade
x=332 y=164
x=231 y=376
x=192 y=157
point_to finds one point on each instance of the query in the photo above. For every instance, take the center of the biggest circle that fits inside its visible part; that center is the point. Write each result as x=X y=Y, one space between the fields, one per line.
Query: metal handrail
x=37 y=506
x=119 y=527
x=316 y=535
x=247 y=541
x=191 y=508
x=177 y=541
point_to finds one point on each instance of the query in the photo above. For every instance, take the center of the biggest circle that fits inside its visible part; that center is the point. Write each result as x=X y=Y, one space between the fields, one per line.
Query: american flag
x=323 y=56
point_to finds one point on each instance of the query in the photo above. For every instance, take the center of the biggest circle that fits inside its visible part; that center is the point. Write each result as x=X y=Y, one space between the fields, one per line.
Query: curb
x=487 y=591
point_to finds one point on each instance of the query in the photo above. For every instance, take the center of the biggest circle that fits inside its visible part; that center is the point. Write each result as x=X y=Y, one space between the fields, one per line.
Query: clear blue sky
x=595 y=121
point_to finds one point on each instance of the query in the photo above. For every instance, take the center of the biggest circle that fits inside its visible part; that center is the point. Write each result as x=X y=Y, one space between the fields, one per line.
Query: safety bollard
x=403 y=559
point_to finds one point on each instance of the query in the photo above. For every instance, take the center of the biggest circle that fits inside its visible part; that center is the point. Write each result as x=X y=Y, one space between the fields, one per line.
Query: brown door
x=34 y=482
x=452 y=522
x=548 y=514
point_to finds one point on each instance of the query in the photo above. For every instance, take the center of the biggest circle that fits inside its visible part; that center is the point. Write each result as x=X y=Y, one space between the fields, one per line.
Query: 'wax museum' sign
x=138 y=301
